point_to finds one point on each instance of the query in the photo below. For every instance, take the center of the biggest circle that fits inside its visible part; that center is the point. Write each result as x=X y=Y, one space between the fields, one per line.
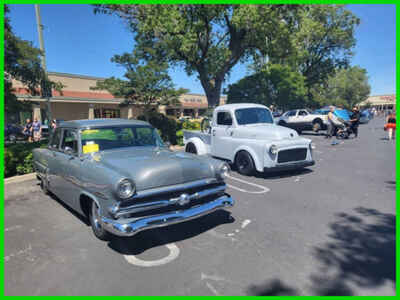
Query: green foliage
x=191 y=125
x=166 y=126
x=275 y=85
x=18 y=158
x=147 y=83
x=22 y=62
x=207 y=40
x=179 y=137
x=347 y=87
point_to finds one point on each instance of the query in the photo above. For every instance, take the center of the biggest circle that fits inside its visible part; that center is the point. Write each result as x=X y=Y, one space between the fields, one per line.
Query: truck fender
x=199 y=144
x=259 y=164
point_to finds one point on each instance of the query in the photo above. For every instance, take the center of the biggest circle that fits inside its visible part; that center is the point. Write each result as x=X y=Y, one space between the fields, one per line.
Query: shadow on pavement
x=274 y=287
x=283 y=174
x=361 y=254
x=151 y=238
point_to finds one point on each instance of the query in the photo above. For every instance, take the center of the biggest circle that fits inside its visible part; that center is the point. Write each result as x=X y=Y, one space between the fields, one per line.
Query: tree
x=323 y=41
x=206 y=39
x=275 y=85
x=22 y=63
x=147 y=83
x=347 y=87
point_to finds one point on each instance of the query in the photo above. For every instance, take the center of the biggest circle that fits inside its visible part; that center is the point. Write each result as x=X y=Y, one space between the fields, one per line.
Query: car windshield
x=106 y=138
x=253 y=115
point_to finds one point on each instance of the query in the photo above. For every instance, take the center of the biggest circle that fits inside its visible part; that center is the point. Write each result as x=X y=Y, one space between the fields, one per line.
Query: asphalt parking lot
x=325 y=230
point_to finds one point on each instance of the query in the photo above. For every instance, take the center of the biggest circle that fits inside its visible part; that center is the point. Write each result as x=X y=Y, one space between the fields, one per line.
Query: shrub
x=18 y=158
x=167 y=126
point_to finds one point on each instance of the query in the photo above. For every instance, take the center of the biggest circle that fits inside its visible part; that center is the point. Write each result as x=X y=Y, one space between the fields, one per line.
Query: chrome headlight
x=223 y=171
x=125 y=189
x=312 y=145
x=273 y=149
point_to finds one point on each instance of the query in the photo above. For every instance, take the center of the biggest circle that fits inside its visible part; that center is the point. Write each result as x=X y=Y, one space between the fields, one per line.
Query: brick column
x=91 y=112
x=36 y=112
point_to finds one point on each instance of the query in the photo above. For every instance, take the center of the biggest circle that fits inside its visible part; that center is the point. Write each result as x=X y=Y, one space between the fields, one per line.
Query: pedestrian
x=355 y=121
x=28 y=132
x=390 y=125
x=331 y=128
x=37 y=130
x=53 y=125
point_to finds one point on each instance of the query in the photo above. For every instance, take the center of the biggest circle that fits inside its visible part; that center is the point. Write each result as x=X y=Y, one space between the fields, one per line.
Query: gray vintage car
x=120 y=175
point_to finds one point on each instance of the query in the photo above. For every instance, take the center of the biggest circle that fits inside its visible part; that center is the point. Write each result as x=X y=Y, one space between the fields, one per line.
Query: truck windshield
x=105 y=138
x=253 y=115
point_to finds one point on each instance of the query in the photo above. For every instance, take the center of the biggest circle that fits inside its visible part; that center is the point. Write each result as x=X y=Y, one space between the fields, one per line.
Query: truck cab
x=245 y=135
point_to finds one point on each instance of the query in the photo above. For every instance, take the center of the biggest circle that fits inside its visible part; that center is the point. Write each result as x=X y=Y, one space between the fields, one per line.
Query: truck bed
x=205 y=137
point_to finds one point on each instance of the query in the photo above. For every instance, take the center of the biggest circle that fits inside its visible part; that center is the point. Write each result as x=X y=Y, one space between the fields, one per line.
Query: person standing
x=355 y=121
x=331 y=125
x=37 y=130
x=28 y=130
x=390 y=125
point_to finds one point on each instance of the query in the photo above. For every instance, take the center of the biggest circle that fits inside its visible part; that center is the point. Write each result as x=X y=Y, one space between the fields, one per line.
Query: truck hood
x=151 y=167
x=265 y=132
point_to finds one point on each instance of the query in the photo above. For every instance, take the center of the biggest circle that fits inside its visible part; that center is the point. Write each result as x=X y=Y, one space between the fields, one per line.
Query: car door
x=52 y=175
x=69 y=168
x=291 y=118
x=302 y=118
x=221 y=140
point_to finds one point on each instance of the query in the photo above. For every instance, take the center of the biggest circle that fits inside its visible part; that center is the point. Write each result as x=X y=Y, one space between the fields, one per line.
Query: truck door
x=221 y=140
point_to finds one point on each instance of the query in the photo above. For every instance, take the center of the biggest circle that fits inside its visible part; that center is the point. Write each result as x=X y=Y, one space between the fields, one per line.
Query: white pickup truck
x=245 y=134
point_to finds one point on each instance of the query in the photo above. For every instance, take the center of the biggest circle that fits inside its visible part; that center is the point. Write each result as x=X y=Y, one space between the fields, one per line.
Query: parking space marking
x=262 y=188
x=173 y=254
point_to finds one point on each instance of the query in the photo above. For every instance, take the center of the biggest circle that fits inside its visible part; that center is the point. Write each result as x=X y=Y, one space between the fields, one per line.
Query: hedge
x=18 y=158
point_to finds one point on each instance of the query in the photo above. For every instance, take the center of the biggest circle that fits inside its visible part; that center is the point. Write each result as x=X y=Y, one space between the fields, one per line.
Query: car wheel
x=282 y=123
x=317 y=126
x=191 y=148
x=244 y=163
x=94 y=218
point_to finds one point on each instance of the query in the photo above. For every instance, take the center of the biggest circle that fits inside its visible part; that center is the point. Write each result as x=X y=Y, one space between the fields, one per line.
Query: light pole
x=47 y=90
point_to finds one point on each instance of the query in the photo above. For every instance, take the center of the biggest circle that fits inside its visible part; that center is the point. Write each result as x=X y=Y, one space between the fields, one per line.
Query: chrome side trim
x=117 y=211
x=131 y=228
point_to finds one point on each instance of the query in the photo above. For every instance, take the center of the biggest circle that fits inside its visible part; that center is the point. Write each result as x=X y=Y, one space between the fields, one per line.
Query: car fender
x=199 y=144
x=259 y=164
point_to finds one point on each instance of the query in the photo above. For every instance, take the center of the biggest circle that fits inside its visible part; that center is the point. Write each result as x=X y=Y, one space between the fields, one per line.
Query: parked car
x=12 y=132
x=120 y=175
x=366 y=116
x=302 y=119
x=246 y=136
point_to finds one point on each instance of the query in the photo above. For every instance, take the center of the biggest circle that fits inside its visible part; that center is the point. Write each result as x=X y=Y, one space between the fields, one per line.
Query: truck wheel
x=94 y=218
x=317 y=126
x=191 y=148
x=244 y=163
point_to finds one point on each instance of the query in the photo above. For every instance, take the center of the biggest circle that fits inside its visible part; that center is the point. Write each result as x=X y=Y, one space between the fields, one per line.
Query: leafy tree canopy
x=276 y=85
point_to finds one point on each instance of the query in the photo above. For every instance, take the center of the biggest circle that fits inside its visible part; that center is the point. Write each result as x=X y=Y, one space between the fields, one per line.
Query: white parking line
x=262 y=188
x=173 y=254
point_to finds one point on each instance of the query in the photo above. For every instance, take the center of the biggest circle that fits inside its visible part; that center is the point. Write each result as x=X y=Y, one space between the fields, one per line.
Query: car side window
x=224 y=118
x=291 y=113
x=55 y=139
x=302 y=113
x=70 y=141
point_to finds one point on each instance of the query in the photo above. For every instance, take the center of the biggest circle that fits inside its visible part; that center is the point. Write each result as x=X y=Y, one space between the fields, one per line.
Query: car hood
x=151 y=167
x=265 y=132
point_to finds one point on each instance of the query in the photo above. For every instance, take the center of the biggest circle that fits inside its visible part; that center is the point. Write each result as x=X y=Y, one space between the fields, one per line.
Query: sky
x=79 y=42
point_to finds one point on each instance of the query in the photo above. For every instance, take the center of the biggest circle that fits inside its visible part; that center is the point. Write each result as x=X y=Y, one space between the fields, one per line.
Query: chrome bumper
x=126 y=228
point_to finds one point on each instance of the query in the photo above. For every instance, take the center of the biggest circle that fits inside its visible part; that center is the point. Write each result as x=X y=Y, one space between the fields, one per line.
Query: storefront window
x=106 y=113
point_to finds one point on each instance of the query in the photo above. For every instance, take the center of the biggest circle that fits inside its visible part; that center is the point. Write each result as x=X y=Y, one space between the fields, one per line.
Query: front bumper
x=129 y=227
x=290 y=166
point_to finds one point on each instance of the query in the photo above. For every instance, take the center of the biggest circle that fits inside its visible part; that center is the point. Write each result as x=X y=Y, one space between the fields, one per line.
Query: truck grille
x=292 y=155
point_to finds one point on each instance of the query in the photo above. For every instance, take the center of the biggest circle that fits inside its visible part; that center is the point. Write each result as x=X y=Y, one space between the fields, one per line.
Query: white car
x=246 y=136
x=302 y=119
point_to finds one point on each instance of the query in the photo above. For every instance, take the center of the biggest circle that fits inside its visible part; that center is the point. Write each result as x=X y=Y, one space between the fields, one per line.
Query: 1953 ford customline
x=120 y=175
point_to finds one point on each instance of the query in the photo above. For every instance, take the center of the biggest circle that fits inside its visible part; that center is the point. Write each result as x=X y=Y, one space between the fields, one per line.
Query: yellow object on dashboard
x=88 y=148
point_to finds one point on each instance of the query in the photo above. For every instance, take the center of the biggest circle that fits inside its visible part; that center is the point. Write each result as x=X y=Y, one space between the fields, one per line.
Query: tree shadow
x=151 y=238
x=390 y=184
x=361 y=253
x=274 y=287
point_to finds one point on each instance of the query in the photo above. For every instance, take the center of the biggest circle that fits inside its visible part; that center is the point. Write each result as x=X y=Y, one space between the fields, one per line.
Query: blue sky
x=79 y=42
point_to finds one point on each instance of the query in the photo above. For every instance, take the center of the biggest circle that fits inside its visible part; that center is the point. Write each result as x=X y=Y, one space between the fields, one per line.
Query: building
x=380 y=102
x=78 y=101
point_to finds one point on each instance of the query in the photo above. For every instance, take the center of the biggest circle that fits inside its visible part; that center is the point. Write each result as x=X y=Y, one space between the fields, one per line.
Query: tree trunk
x=212 y=89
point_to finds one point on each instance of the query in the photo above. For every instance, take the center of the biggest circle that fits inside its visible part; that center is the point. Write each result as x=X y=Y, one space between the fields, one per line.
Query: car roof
x=101 y=123
x=238 y=106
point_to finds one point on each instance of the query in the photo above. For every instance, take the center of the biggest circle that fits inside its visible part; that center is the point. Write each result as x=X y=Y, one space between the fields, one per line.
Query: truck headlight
x=125 y=189
x=273 y=149
x=312 y=145
x=223 y=171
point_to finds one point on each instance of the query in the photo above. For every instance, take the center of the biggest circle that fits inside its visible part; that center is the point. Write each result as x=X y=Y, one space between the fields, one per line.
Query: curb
x=22 y=178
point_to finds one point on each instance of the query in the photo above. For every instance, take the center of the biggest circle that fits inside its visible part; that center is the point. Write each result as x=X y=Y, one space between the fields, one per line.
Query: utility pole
x=46 y=90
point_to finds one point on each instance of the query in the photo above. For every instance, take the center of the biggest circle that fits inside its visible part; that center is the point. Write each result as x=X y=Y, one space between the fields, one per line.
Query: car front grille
x=292 y=155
